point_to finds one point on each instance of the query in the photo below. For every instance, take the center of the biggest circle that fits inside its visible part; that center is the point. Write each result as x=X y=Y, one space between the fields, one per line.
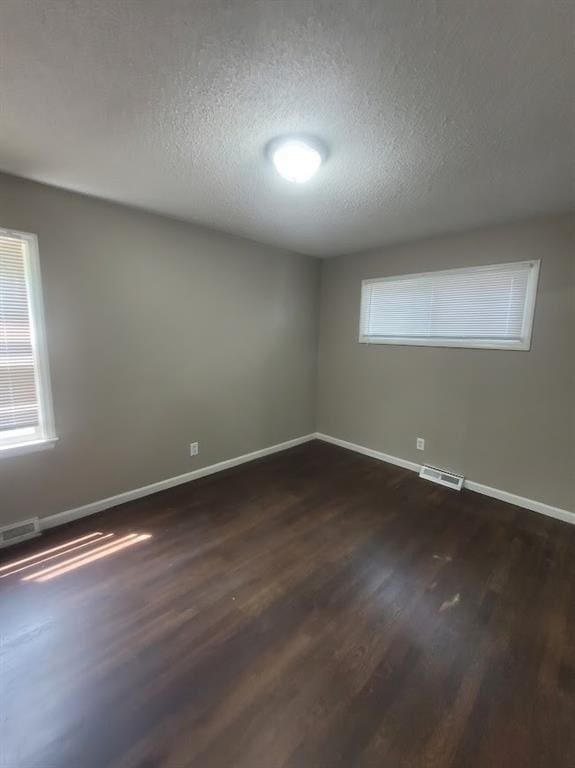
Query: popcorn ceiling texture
x=440 y=114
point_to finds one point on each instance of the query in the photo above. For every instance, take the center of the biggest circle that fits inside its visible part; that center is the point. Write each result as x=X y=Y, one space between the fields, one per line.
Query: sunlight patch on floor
x=93 y=547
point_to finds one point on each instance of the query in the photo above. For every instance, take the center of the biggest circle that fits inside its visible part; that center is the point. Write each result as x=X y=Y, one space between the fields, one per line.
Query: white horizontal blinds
x=483 y=303
x=19 y=407
x=399 y=307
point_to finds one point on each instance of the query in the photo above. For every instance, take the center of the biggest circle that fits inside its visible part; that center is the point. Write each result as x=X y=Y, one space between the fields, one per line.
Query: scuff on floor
x=450 y=603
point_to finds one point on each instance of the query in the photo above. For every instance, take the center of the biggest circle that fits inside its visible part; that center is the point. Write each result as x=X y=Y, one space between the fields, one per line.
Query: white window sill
x=522 y=344
x=30 y=447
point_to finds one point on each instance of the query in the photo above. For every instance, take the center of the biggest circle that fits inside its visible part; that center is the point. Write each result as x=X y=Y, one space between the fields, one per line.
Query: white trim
x=45 y=433
x=30 y=447
x=521 y=501
x=37 y=315
x=51 y=521
x=369 y=452
x=522 y=344
x=482 y=268
x=511 y=498
x=423 y=341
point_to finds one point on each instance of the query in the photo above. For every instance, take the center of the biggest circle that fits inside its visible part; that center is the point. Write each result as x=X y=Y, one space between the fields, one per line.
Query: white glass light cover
x=296 y=160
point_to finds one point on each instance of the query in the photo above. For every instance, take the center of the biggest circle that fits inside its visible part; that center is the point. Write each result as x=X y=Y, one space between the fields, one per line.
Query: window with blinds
x=25 y=401
x=490 y=307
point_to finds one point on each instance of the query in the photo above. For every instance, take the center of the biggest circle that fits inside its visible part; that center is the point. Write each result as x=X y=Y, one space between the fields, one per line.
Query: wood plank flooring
x=314 y=609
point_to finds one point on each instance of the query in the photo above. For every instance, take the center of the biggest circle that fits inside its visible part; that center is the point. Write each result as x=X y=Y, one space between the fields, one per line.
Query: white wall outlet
x=420 y=443
x=194 y=449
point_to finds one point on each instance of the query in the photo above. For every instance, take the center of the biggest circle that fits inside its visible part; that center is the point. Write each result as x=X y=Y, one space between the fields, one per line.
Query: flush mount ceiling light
x=297 y=159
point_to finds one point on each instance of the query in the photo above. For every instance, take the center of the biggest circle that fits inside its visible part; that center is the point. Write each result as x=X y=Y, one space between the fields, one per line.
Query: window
x=26 y=421
x=490 y=307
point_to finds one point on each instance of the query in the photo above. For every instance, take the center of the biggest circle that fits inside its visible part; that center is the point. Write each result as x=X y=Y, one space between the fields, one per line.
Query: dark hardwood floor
x=314 y=609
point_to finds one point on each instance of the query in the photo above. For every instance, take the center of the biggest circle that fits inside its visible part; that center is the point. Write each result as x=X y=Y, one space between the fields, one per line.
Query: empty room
x=287 y=384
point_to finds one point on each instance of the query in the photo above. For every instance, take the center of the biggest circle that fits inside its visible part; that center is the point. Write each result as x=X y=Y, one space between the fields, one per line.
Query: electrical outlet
x=420 y=443
x=194 y=449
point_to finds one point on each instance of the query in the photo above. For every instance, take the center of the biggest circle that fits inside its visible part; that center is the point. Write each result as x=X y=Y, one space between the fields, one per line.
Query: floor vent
x=443 y=478
x=12 y=534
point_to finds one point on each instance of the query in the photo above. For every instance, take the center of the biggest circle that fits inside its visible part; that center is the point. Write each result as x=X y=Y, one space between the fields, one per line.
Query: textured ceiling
x=439 y=114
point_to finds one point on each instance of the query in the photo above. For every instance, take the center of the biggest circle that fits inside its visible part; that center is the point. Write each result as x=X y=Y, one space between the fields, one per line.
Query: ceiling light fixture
x=297 y=159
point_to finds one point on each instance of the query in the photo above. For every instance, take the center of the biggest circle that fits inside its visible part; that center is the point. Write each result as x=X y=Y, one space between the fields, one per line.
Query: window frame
x=524 y=344
x=44 y=436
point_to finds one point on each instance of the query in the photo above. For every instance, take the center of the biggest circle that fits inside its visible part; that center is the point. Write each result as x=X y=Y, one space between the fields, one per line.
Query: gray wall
x=159 y=333
x=502 y=418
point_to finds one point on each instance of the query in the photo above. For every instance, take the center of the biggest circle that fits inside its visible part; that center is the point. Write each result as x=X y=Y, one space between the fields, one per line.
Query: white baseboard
x=495 y=493
x=369 y=452
x=51 y=521
x=521 y=501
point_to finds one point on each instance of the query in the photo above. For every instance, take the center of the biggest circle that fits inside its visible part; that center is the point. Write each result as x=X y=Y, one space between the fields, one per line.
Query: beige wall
x=502 y=418
x=159 y=333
